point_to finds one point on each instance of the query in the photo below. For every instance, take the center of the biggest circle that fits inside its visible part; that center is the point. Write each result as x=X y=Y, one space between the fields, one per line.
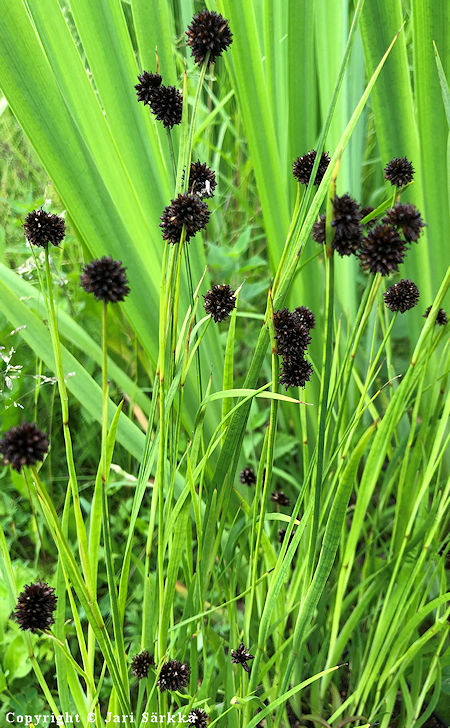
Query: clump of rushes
x=279 y=498
x=348 y=230
x=42 y=228
x=247 y=476
x=303 y=167
x=208 y=33
x=148 y=82
x=106 y=279
x=174 y=675
x=383 y=250
x=219 y=302
x=402 y=296
x=188 y=211
x=407 y=219
x=35 y=607
x=305 y=316
x=399 y=172
x=241 y=656
x=295 y=371
x=198 y=717
x=23 y=445
x=166 y=103
x=441 y=318
x=202 y=180
x=141 y=664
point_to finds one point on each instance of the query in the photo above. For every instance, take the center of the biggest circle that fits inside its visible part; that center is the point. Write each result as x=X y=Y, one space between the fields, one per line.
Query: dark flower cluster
x=280 y=498
x=141 y=664
x=247 y=476
x=187 y=211
x=198 y=717
x=174 y=675
x=148 y=82
x=303 y=167
x=399 y=172
x=165 y=102
x=292 y=337
x=441 y=318
x=42 y=228
x=219 y=302
x=202 y=180
x=348 y=230
x=208 y=33
x=106 y=279
x=241 y=656
x=402 y=296
x=23 y=445
x=35 y=607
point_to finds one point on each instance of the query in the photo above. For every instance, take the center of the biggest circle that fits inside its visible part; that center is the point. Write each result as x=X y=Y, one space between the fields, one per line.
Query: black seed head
x=303 y=167
x=241 y=656
x=247 y=476
x=23 y=445
x=279 y=498
x=187 y=210
x=399 y=171
x=148 y=82
x=198 y=717
x=209 y=33
x=406 y=218
x=318 y=230
x=295 y=371
x=305 y=316
x=106 y=279
x=202 y=180
x=383 y=250
x=402 y=296
x=141 y=663
x=219 y=302
x=166 y=103
x=364 y=211
x=291 y=334
x=174 y=675
x=42 y=228
x=35 y=607
x=441 y=318
x=348 y=230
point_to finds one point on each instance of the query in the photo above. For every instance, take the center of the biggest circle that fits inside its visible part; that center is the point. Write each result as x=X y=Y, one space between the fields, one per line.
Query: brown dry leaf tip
x=148 y=82
x=402 y=296
x=188 y=211
x=35 y=607
x=42 y=228
x=209 y=32
x=383 y=250
x=399 y=172
x=241 y=656
x=219 y=302
x=23 y=445
x=106 y=279
x=303 y=166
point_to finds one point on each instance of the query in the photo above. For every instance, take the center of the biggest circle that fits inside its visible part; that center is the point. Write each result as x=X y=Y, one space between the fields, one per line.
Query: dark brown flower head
x=279 y=498
x=187 y=210
x=295 y=371
x=441 y=318
x=305 y=316
x=407 y=219
x=174 y=675
x=402 y=296
x=42 y=228
x=241 y=656
x=166 y=103
x=383 y=250
x=364 y=211
x=292 y=336
x=23 y=445
x=198 y=717
x=141 y=663
x=399 y=171
x=106 y=279
x=148 y=82
x=318 y=230
x=219 y=302
x=348 y=230
x=303 y=167
x=247 y=476
x=209 y=33
x=35 y=607
x=202 y=180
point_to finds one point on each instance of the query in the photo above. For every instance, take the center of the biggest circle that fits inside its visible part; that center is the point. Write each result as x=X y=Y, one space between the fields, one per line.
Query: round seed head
x=279 y=498
x=148 y=82
x=303 y=167
x=23 y=445
x=106 y=279
x=383 y=250
x=209 y=33
x=202 y=180
x=318 y=230
x=348 y=230
x=166 y=103
x=291 y=334
x=187 y=210
x=295 y=371
x=305 y=316
x=198 y=717
x=42 y=228
x=406 y=218
x=141 y=663
x=219 y=302
x=399 y=171
x=241 y=656
x=441 y=318
x=247 y=476
x=402 y=296
x=35 y=607
x=174 y=675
